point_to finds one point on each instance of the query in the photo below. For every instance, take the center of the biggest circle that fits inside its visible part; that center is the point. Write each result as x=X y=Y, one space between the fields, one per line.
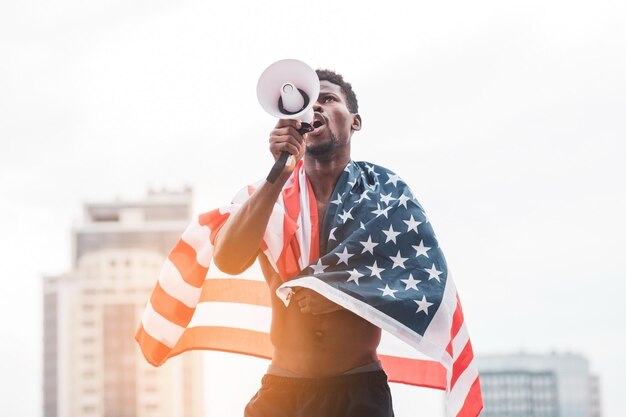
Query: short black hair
x=346 y=87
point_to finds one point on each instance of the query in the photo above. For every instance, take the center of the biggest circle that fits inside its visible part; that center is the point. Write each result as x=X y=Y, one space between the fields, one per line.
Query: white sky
x=506 y=118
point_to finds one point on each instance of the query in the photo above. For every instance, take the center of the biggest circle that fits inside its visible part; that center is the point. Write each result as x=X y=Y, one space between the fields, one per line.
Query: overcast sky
x=505 y=118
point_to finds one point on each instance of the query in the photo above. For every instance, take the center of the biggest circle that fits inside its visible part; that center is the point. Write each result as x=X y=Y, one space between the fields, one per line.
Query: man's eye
x=328 y=99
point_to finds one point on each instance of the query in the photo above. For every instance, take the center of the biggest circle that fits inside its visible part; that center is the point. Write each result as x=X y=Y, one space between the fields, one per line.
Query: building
x=92 y=365
x=532 y=385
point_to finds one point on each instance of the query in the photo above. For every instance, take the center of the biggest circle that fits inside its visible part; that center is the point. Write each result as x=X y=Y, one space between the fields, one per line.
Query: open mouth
x=317 y=124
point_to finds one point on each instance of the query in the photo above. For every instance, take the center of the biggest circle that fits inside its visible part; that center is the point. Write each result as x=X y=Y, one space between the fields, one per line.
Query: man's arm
x=238 y=241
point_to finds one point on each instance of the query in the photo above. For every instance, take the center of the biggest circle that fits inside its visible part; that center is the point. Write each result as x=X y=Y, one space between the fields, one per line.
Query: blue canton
x=380 y=247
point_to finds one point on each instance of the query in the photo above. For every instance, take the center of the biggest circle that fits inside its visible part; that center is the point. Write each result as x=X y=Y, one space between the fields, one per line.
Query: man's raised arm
x=238 y=241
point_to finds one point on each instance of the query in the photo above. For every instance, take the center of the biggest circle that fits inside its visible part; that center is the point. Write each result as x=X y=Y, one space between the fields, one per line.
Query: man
x=325 y=361
x=346 y=250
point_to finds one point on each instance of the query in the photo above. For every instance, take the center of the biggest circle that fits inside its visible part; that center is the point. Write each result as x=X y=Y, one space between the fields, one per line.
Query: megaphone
x=288 y=89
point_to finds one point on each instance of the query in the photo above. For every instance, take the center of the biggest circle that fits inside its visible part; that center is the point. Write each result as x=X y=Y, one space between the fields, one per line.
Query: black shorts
x=364 y=394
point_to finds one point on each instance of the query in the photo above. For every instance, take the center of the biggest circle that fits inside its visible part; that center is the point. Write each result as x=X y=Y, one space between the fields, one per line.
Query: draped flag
x=380 y=259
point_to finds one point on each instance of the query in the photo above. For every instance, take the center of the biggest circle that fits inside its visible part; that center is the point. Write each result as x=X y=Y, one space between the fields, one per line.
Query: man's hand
x=285 y=138
x=310 y=302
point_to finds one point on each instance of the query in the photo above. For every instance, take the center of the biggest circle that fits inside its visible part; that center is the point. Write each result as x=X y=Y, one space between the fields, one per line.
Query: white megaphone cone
x=288 y=89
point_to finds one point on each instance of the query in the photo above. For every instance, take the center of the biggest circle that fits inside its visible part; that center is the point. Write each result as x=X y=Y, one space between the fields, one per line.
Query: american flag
x=381 y=260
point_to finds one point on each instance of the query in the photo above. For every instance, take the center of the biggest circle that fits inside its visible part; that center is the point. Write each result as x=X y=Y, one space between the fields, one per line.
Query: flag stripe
x=424 y=373
x=184 y=259
x=473 y=404
x=172 y=283
x=458 y=394
x=169 y=307
x=161 y=328
x=154 y=351
x=248 y=342
x=461 y=363
x=236 y=290
x=239 y=316
x=199 y=237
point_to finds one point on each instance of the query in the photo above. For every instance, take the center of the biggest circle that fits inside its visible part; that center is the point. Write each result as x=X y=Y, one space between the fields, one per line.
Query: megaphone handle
x=282 y=160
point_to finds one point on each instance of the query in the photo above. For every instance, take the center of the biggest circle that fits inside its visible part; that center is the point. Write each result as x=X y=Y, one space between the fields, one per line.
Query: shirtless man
x=325 y=362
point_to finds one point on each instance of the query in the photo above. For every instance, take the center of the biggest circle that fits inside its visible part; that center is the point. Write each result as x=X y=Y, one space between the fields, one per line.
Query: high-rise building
x=92 y=365
x=533 y=385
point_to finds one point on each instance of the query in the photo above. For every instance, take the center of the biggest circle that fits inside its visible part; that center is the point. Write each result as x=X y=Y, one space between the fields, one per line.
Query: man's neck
x=323 y=175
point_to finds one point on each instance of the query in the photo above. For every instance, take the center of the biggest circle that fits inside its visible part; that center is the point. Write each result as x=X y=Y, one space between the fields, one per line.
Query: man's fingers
x=288 y=122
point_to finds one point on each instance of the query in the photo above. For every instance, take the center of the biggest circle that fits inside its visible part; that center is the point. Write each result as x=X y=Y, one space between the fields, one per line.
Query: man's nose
x=317 y=107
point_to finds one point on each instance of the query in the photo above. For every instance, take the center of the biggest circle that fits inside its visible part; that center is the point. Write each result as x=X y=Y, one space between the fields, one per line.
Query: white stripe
x=239 y=316
x=172 y=283
x=459 y=342
x=199 y=238
x=457 y=396
x=160 y=328
x=392 y=346
x=253 y=273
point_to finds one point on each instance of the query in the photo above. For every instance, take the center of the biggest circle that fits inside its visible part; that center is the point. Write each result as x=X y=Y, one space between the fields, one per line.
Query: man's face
x=333 y=122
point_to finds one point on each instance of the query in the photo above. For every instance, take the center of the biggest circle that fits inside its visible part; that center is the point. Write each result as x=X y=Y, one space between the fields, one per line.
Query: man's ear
x=356 y=121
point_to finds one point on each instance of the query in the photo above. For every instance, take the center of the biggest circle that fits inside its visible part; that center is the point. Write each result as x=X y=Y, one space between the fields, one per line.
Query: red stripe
x=419 y=372
x=473 y=404
x=183 y=257
x=457 y=319
x=457 y=322
x=154 y=351
x=225 y=339
x=289 y=260
x=169 y=307
x=461 y=363
x=314 y=252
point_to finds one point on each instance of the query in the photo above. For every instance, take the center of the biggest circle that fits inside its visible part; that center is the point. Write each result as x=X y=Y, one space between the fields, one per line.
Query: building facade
x=92 y=365
x=532 y=385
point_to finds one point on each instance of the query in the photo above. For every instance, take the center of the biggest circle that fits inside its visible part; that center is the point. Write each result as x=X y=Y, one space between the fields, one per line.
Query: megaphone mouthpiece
x=292 y=100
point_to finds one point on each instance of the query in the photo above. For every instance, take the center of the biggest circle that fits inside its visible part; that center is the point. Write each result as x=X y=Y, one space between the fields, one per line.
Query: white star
x=423 y=305
x=398 y=261
x=411 y=283
x=354 y=276
x=393 y=178
x=363 y=196
x=331 y=235
x=380 y=211
x=421 y=249
x=362 y=226
x=343 y=257
x=346 y=215
x=386 y=198
x=412 y=224
x=433 y=273
x=403 y=199
x=370 y=169
x=337 y=200
x=351 y=184
x=369 y=245
x=388 y=291
x=391 y=234
x=376 y=271
x=318 y=268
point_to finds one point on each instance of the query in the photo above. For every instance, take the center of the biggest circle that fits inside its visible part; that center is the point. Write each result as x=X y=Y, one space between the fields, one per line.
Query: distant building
x=92 y=365
x=531 y=385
